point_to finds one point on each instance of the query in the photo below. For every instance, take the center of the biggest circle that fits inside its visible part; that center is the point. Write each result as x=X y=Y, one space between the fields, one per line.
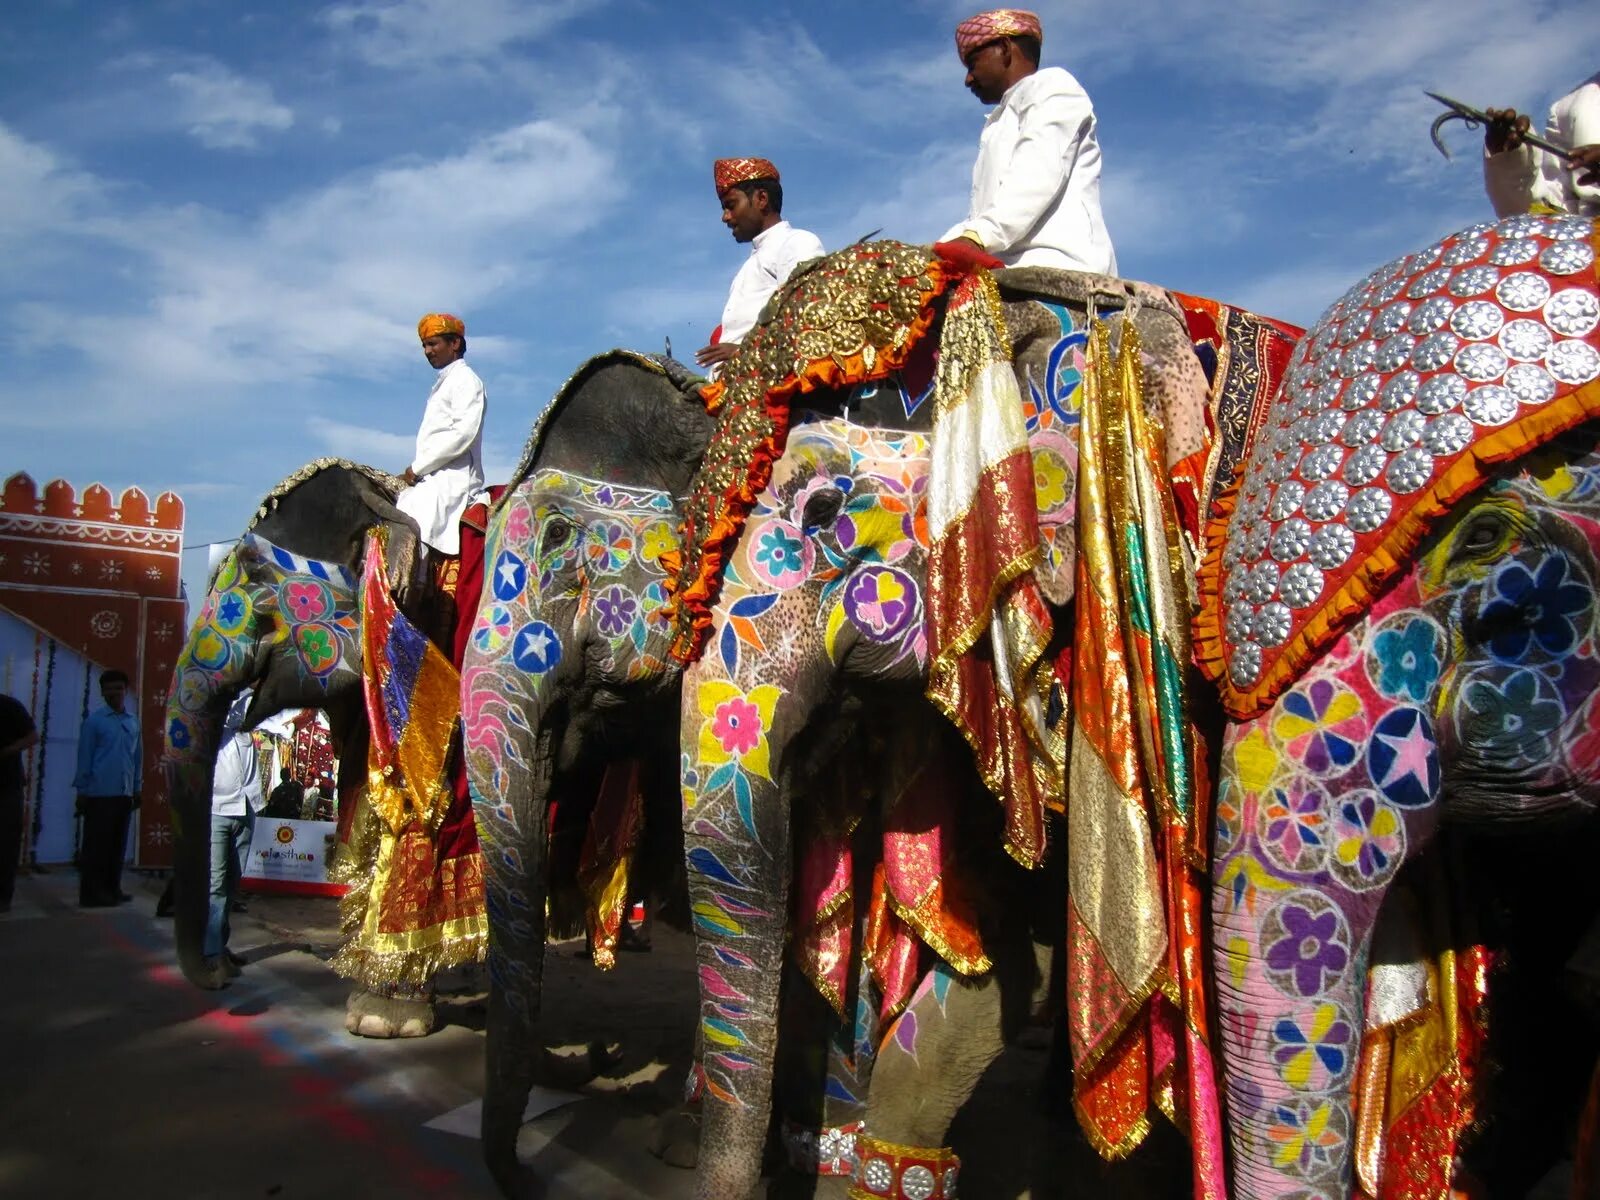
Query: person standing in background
x=236 y=798
x=110 y=765
x=17 y=735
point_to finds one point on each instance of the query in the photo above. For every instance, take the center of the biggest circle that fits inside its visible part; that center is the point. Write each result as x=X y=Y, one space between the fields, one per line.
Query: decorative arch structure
x=102 y=578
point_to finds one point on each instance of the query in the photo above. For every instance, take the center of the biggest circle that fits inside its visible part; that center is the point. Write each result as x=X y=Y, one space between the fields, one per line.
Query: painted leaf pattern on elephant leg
x=831 y=557
x=1466 y=694
x=568 y=559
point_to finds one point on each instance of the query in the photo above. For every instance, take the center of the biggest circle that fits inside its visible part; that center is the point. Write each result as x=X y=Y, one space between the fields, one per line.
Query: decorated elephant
x=284 y=615
x=566 y=676
x=825 y=618
x=1401 y=616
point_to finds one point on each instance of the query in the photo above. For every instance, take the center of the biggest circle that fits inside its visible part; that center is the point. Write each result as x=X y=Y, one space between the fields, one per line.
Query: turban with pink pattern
x=993 y=25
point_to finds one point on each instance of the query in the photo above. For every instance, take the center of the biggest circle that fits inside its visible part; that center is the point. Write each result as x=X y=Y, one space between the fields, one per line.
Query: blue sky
x=221 y=221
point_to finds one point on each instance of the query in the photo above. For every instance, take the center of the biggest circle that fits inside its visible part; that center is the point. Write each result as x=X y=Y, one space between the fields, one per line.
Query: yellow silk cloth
x=988 y=624
x=409 y=851
x=1135 y=996
x=606 y=863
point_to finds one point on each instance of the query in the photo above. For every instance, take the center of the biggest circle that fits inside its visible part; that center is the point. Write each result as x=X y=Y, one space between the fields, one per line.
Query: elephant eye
x=821 y=508
x=1483 y=536
x=557 y=533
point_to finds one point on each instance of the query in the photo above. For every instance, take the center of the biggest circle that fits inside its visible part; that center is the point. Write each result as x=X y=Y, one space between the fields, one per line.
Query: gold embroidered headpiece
x=729 y=171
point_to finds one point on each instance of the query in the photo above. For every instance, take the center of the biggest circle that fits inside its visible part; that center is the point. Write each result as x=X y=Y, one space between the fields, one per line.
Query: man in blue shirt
x=108 y=779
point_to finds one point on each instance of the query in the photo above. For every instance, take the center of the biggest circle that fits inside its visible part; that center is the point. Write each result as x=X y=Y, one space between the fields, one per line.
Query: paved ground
x=121 y=1080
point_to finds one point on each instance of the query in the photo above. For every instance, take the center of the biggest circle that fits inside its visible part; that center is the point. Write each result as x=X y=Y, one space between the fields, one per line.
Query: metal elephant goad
x=1401 y=617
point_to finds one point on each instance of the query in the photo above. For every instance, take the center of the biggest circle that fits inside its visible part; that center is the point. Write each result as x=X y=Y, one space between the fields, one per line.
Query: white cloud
x=223 y=110
x=408 y=34
x=361 y=443
x=41 y=188
x=328 y=282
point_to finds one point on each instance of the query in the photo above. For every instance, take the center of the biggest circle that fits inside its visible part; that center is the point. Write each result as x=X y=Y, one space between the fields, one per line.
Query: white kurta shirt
x=774 y=254
x=1036 y=184
x=449 y=460
x=236 y=781
x=1516 y=179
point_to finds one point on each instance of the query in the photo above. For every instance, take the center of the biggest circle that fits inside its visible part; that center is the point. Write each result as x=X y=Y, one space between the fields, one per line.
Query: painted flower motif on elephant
x=1314 y=1055
x=210 y=649
x=1552 y=610
x=305 y=599
x=615 y=610
x=782 y=557
x=1369 y=841
x=732 y=742
x=1322 y=725
x=1306 y=1136
x=1293 y=827
x=1058 y=401
x=1403 y=758
x=881 y=602
x=318 y=647
x=739 y=631
x=1516 y=715
x=493 y=631
x=1406 y=658
x=1307 y=944
x=607 y=545
x=655 y=539
x=518 y=521
x=1053 y=477
x=885 y=520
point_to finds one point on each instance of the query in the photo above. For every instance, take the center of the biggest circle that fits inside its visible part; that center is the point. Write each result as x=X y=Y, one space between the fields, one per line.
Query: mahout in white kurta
x=774 y=254
x=449 y=457
x=1036 y=184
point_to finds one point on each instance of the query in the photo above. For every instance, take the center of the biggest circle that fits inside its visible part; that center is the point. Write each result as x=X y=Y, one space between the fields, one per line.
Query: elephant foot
x=214 y=974
x=676 y=1140
x=370 y=1015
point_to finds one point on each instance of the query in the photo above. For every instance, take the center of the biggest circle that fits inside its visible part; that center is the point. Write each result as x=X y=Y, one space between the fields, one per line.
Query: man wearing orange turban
x=448 y=465
x=1036 y=184
x=752 y=209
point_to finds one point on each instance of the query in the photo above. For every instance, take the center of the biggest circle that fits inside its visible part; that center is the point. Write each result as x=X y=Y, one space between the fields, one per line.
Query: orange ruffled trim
x=1382 y=564
x=700 y=595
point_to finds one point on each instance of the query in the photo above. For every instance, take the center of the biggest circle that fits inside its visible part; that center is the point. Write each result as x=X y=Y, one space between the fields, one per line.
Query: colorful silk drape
x=1135 y=823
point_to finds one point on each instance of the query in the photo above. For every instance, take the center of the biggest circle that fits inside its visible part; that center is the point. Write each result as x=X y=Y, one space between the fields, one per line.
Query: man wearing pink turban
x=1036 y=184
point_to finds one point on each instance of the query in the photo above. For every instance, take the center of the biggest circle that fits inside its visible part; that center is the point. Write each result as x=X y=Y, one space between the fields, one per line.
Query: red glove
x=966 y=255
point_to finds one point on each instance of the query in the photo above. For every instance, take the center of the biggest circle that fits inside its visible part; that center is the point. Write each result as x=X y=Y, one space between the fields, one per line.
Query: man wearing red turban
x=1036 y=184
x=448 y=465
x=752 y=209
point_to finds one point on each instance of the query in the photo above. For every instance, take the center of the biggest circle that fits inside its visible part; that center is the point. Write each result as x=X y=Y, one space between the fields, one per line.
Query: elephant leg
x=407 y=1013
x=933 y=1056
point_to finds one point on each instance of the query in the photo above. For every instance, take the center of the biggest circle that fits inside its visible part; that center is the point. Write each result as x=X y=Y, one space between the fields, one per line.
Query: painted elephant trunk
x=1302 y=870
x=736 y=840
x=510 y=767
x=211 y=672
